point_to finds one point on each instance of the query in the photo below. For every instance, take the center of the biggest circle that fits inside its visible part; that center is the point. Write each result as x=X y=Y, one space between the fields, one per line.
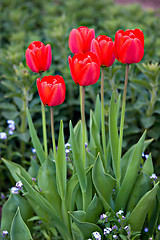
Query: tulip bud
x=38 y=56
x=80 y=39
x=103 y=47
x=129 y=46
x=84 y=68
x=51 y=90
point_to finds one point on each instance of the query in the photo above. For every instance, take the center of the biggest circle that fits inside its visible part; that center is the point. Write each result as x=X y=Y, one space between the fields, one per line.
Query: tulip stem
x=44 y=124
x=122 y=126
x=80 y=94
x=102 y=117
x=44 y=129
x=52 y=131
x=83 y=125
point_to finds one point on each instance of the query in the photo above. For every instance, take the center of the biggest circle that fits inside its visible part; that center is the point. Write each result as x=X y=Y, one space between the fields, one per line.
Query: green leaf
x=47 y=183
x=138 y=215
x=97 y=112
x=126 y=159
x=10 y=207
x=15 y=168
x=78 y=161
x=19 y=228
x=94 y=210
x=96 y=136
x=61 y=164
x=46 y=206
x=113 y=133
x=36 y=143
x=130 y=176
x=148 y=166
x=104 y=183
x=141 y=186
x=86 y=228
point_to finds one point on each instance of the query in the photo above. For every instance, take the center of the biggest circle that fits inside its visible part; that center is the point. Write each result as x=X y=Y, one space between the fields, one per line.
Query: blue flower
x=146 y=229
x=96 y=235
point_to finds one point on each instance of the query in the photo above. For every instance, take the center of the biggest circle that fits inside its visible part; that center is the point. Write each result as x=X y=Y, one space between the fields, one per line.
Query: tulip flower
x=103 y=47
x=51 y=90
x=129 y=46
x=85 y=68
x=80 y=39
x=38 y=56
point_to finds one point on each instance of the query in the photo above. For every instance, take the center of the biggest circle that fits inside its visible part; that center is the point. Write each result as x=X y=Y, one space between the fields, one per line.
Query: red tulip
x=51 y=90
x=129 y=46
x=85 y=68
x=38 y=56
x=103 y=47
x=80 y=39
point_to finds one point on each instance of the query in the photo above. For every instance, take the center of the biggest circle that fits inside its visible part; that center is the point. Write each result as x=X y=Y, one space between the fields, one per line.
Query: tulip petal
x=132 y=51
x=95 y=48
x=57 y=95
x=47 y=57
x=89 y=74
x=75 y=41
x=30 y=60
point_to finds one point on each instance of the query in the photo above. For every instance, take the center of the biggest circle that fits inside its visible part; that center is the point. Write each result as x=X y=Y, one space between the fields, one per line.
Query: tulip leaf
x=126 y=159
x=130 y=176
x=19 y=228
x=113 y=133
x=61 y=164
x=78 y=161
x=96 y=136
x=47 y=183
x=141 y=186
x=94 y=210
x=46 y=206
x=86 y=228
x=15 y=168
x=148 y=166
x=36 y=143
x=10 y=207
x=97 y=112
x=153 y=216
x=138 y=215
x=104 y=183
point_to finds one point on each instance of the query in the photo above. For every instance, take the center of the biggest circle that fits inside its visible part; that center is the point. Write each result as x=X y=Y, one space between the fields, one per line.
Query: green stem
x=83 y=125
x=122 y=126
x=83 y=139
x=52 y=131
x=152 y=100
x=23 y=122
x=44 y=125
x=66 y=218
x=102 y=117
x=80 y=95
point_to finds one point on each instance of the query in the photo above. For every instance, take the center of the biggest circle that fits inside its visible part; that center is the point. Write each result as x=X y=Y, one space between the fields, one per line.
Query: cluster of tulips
x=90 y=54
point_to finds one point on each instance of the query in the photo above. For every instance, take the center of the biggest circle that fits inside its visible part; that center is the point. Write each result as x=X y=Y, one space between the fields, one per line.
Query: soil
x=154 y=4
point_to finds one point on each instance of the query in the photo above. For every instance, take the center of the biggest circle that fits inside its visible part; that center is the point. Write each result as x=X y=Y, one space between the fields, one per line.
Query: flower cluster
x=51 y=88
x=11 y=128
x=114 y=226
x=17 y=188
x=68 y=151
x=91 y=53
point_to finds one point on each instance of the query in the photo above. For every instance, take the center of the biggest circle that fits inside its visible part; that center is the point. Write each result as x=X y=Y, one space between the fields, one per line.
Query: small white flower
x=103 y=216
x=159 y=227
x=15 y=190
x=4 y=233
x=115 y=236
x=19 y=185
x=3 y=135
x=33 y=150
x=126 y=228
x=67 y=145
x=67 y=150
x=107 y=230
x=119 y=213
x=96 y=235
x=153 y=176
